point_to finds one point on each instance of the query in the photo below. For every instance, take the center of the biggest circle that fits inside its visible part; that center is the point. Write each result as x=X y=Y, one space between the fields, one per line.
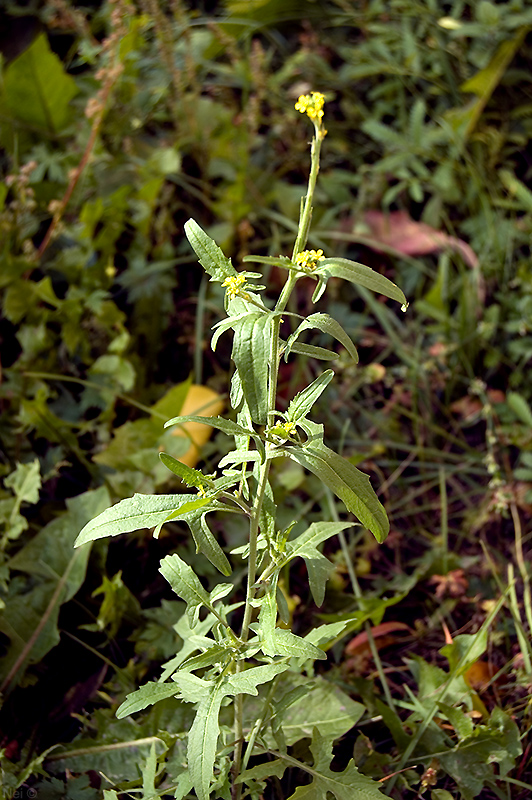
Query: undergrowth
x=120 y=122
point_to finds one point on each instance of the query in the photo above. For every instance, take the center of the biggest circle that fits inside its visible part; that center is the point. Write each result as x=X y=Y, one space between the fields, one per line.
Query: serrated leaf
x=302 y=403
x=192 y=477
x=209 y=255
x=326 y=324
x=225 y=425
x=360 y=275
x=225 y=325
x=346 y=785
x=186 y=585
x=246 y=682
x=351 y=485
x=251 y=354
x=146 y=696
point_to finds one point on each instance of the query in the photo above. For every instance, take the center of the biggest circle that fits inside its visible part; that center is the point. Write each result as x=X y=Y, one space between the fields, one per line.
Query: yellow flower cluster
x=308 y=259
x=312 y=105
x=234 y=285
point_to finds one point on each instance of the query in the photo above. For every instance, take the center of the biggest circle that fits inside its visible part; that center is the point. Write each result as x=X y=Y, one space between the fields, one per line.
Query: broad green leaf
x=209 y=254
x=139 y=511
x=349 y=484
x=51 y=574
x=192 y=477
x=186 y=585
x=520 y=407
x=305 y=546
x=36 y=89
x=303 y=401
x=25 y=482
x=146 y=696
x=346 y=785
x=326 y=324
x=251 y=354
x=323 y=705
x=360 y=275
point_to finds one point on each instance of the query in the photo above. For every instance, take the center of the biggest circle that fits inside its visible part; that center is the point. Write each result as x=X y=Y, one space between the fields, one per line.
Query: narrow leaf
x=326 y=324
x=251 y=352
x=360 y=275
x=303 y=401
x=209 y=254
x=192 y=477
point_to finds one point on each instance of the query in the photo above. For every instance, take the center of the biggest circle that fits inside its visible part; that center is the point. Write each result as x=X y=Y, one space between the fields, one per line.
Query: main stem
x=301 y=239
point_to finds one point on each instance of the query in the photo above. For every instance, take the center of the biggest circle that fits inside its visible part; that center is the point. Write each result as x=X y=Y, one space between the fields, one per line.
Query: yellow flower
x=312 y=105
x=308 y=259
x=234 y=285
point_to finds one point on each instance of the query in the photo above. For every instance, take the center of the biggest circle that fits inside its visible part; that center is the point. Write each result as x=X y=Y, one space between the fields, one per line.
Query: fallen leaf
x=360 y=643
x=454 y=584
x=412 y=238
x=200 y=401
x=479 y=675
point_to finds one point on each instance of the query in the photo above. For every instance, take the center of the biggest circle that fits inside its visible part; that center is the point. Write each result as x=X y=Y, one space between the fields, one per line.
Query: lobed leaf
x=186 y=585
x=146 y=696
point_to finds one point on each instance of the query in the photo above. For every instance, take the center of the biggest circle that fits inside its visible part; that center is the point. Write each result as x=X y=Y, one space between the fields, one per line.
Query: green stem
x=301 y=239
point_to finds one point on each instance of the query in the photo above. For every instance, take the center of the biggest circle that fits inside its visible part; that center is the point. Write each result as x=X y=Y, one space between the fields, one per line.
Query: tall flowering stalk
x=237 y=648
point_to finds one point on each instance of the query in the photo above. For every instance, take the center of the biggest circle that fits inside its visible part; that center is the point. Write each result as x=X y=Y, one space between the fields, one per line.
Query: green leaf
x=349 y=484
x=146 y=696
x=225 y=425
x=135 y=513
x=520 y=407
x=149 y=771
x=251 y=354
x=56 y=572
x=209 y=254
x=321 y=353
x=246 y=682
x=227 y=324
x=303 y=401
x=360 y=275
x=305 y=546
x=277 y=641
x=346 y=785
x=36 y=89
x=326 y=324
x=25 y=482
x=465 y=650
x=186 y=585
x=192 y=477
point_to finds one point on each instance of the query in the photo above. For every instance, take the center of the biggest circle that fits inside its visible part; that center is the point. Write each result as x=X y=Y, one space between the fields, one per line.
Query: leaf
x=36 y=89
x=465 y=650
x=146 y=696
x=305 y=546
x=360 y=275
x=412 y=238
x=251 y=354
x=326 y=324
x=135 y=513
x=246 y=682
x=520 y=407
x=227 y=324
x=225 y=425
x=209 y=254
x=30 y=617
x=191 y=477
x=25 y=482
x=346 y=785
x=186 y=585
x=309 y=350
x=323 y=705
x=149 y=771
x=303 y=401
x=277 y=641
x=349 y=484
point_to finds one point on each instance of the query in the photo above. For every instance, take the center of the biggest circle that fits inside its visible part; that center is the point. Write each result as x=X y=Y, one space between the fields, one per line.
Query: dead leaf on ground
x=413 y=238
x=454 y=584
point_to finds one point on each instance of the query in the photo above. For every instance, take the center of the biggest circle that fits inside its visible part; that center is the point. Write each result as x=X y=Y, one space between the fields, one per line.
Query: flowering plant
x=244 y=652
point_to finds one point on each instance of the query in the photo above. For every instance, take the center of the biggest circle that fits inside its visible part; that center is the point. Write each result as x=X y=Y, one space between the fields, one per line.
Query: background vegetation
x=120 y=121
